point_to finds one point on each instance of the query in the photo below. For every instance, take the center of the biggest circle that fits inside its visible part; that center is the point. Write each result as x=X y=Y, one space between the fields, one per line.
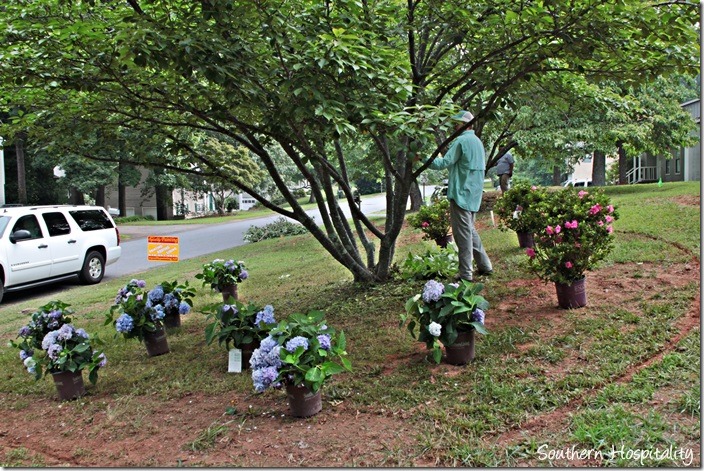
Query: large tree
x=306 y=75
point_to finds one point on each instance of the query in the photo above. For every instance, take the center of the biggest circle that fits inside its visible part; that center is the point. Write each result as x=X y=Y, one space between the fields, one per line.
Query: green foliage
x=237 y=324
x=322 y=358
x=517 y=209
x=576 y=234
x=281 y=227
x=433 y=220
x=126 y=219
x=442 y=263
x=220 y=273
x=50 y=344
x=441 y=311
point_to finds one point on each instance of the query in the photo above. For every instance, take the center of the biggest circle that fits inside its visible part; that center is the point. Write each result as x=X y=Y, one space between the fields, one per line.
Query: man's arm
x=448 y=159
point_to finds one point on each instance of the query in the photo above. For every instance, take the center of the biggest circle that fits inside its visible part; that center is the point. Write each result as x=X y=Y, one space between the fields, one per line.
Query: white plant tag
x=235 y=361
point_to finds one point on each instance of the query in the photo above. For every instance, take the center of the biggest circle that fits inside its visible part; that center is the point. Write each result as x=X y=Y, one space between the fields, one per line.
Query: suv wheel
x=93 y=268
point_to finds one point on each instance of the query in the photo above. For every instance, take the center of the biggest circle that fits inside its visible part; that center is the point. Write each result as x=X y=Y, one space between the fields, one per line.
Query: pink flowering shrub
x=575 y=234
x=517 y=208
x=433 y=220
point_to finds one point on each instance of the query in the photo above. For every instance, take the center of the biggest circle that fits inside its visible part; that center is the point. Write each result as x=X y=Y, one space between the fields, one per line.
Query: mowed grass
x=589 y=367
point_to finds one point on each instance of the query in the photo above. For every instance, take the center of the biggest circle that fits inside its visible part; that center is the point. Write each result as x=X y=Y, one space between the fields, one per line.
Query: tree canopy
x=308 y=77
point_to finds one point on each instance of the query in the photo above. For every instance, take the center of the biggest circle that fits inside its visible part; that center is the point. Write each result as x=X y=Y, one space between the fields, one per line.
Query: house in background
x=684 y=165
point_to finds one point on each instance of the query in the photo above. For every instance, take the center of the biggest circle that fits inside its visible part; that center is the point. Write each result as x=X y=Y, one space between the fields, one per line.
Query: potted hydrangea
x=223 y=276
x=50 y=344
x=140 y=316
x=238 y=326
x=517 y=209
x=172 y=298
x=577 y=233
x=447 y=314
x=434 y=221
x=300 y=353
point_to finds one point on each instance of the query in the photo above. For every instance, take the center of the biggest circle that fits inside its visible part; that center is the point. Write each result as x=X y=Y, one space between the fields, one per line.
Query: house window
x=677 y=165
x=667 y=167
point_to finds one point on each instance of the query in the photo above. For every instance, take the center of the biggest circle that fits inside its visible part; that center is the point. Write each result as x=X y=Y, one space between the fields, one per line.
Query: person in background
x=504 y=169
x=464 y=160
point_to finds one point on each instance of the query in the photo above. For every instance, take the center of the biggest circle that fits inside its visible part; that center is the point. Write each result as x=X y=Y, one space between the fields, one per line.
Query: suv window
x=57 y=224
x=91 y=219
x=28 y=223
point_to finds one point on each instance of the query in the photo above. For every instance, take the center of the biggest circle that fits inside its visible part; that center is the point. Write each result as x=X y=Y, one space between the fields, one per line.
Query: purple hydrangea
x=265 y=377
x=227 y=307
x=53 y=324
x=184 y=308
x=49 y=339
x=65 y=332
x=268 y=354
x=266 y=315
x=55 y=314
x=25 y=331
x=229 y=266
x=324 y=341
x=156 y=294
x=82 y=333
x=478 y=316
x=432 y=291
x=244 y=274
x=24 y=354
x=124 y=323
x=103 y=360
x=296 y=342
x=54 y=351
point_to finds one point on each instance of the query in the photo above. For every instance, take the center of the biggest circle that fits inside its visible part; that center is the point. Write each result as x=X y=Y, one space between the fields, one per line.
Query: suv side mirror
x=22 y=234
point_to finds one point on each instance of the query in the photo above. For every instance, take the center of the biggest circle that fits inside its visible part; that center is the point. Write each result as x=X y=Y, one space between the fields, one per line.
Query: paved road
x=200 y=239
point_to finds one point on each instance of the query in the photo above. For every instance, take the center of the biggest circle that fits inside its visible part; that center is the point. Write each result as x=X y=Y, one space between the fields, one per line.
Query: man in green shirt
x=464 y=160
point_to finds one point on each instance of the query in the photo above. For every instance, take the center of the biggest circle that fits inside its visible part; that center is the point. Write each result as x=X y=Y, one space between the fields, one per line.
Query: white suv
x=39 y=244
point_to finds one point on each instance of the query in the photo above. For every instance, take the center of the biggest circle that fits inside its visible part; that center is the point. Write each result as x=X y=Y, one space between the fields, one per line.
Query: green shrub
x=442 y=263
x=122 y=220
x=281 y=227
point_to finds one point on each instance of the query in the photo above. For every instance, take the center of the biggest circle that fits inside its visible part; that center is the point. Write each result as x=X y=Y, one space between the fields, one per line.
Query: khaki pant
x=469 y=244
x=503 y=182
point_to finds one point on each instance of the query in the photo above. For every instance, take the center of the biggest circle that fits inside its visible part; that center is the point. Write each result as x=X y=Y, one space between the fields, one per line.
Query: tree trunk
x=75 y=196
x=121 y=193
x=622 y=165
x=21 y=174
x=164 y=203
x=599 y=168
x=556 y=175
x=416 y=197
x=100 y=196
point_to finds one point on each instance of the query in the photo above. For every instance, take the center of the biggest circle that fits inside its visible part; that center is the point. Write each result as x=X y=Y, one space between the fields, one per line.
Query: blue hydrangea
x=227 y=307
x=55 y=314
x=25 y=331
x=103 y=360
x=432 y=291
x=53 y=324
x=24 y=354
x=170 y=301
x=296 y=342
x=266 y=315
x=30 y=363
x=184 y=308
x=138 y=283
x=478 y=316
x=156 y=294
x=324 y=341
x=65 y=332
x=265 y=377
x=243 y=274
x=157 y=312
x=54 y=351
x=230 y=266
x=124 y=323
x=49 y=339
x=82 y=333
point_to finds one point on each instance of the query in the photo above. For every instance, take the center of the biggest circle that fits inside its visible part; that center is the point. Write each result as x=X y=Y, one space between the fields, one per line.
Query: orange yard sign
x=162 y=249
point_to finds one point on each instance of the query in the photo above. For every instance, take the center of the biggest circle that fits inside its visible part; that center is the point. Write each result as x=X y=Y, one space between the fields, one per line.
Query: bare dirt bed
x=340 y=435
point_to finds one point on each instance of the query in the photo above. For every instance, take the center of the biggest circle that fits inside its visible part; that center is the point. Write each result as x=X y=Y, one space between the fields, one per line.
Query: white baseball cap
x=464 y=116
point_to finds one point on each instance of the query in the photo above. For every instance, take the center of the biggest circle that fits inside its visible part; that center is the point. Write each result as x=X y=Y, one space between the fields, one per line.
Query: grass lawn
x=616 y=383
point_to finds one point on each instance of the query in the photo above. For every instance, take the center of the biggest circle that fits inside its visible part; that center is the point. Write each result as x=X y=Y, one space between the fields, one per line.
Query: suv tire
x=93 y=268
